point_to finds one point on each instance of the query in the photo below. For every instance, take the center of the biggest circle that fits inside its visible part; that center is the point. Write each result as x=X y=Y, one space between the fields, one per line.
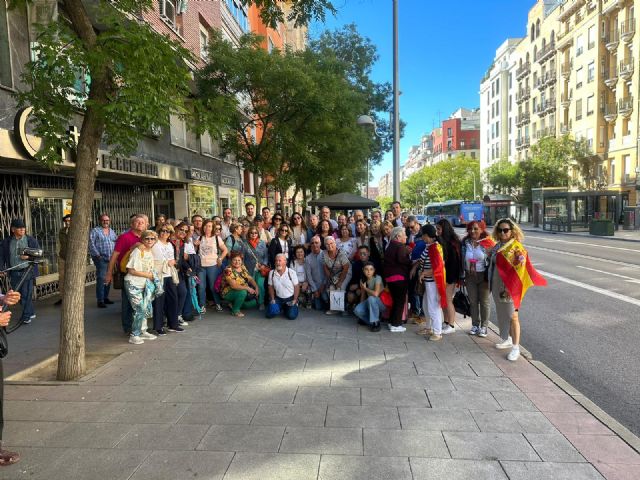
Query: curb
x=607 y=420
x=546 y=232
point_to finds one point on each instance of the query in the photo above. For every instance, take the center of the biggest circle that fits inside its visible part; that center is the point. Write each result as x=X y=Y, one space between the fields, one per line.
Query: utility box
x=631 y=218
x=602 y=228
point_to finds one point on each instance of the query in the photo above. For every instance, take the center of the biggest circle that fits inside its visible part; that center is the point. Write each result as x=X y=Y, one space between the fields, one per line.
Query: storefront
x=202 y=193
x=229 y=194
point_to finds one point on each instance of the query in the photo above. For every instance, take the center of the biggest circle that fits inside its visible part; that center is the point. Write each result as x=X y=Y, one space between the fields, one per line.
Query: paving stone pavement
x=318 y=398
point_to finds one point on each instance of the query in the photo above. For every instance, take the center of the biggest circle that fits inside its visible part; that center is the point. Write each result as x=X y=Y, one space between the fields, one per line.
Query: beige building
x=385 y=185
x=575 y=74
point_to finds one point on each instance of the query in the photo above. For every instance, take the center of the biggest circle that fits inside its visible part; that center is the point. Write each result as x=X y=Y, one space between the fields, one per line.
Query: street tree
x=134 y=77
x=502 y=177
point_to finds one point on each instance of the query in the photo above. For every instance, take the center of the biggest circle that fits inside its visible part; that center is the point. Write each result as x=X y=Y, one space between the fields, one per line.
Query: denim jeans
x=102 y=290
x=26 y=292
x=127 y=312
x=289 y=312
x=369 y=310
x=207 y=278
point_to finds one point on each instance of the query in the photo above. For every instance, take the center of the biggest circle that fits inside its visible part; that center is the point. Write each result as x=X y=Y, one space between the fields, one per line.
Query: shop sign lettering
x=227 y=180
x=201 y=175
x=129 y=165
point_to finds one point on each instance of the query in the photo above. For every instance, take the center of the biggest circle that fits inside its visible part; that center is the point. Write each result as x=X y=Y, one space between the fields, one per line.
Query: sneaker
x=474 y=330
x=26 y=321
x=331 y=312
x=398 y=329
x=505 y=344
x=203 y=310
x=160 y=333
x=447 y=329
x=435 y=338
x=483 y=332
x=514 y=354
x=218 y=308
x=176 y=330
x=108 y=302
x=182 y=323
x=135 y=339
x=147 y=336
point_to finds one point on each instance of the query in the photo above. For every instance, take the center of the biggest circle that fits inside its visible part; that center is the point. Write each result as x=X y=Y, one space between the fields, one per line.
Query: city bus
x=458 y=212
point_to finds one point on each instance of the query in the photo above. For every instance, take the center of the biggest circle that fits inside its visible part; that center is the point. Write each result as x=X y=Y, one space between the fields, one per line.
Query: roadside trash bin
x=631 y=218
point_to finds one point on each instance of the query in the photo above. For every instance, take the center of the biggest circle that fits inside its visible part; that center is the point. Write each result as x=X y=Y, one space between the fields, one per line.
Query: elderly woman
x=345 y=242
x=213 y=252
x=475 y=251
x=337 y=269
x=238 y=286
x=165 y=305
x=397 y=266
x=281 y=244
x=507 y=260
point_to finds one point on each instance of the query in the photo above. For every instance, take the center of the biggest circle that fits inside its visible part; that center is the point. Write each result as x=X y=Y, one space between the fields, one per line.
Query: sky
x=445 y=47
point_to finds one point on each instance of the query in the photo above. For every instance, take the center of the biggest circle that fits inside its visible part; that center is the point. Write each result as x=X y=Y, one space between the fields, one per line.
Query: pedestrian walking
x=102 y=240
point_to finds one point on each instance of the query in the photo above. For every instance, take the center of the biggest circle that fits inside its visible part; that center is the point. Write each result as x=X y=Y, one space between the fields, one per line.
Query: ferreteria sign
x=129 y=165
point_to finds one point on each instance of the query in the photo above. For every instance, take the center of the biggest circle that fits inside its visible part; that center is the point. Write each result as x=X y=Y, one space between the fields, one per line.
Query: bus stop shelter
x=574 y=211
x=344 y=201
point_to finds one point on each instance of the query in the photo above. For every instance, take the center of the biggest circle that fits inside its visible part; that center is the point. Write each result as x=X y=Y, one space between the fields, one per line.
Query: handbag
x=118 y=279
x=420 y=287
x=461 y=302
x=264 y=270
x=386 y=298
x=336 y=300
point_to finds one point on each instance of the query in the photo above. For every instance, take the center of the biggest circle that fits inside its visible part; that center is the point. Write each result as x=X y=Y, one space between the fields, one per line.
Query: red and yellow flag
x=439 y=274
x=516 y=271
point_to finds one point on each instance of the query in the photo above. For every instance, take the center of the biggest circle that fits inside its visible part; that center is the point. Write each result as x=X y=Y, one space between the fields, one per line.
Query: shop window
x=6 y=78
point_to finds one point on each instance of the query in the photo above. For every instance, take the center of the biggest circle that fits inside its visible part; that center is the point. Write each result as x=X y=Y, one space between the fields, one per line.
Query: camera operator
x=11 y=298
x=11 y=250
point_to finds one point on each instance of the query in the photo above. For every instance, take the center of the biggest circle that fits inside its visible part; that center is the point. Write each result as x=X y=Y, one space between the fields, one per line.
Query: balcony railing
x=523 y=94
x=626 y=68
x=565 y=128
x=522 y=142
x=610 y=112
x=523 y=70
x=546 y=52
x=627 y=29
x=565 y=100
x=550 y=78
x=609 y=6
x=549 y=105
x=568 y=8
x=610 y=76
x=565 y=69
x=625 y=106
x=611 y=40
x=522 y=119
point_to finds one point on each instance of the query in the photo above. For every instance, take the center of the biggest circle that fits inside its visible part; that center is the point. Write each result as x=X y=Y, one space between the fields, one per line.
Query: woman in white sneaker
x=510 y=274
x=475 y=250
x=142 y=284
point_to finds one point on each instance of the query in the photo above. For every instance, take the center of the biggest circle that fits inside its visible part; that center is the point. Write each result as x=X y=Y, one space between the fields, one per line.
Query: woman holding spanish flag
x=510 y=276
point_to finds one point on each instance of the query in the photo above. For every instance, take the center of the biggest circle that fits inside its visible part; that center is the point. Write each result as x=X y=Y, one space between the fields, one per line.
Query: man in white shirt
x=226 y=223
x=283 y=290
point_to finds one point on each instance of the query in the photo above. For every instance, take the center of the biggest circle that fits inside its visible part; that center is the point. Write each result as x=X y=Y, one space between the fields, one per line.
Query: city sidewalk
x=315 y=398
x=622 y=235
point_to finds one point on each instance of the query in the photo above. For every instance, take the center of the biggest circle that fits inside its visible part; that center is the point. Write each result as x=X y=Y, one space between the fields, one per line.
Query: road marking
x=636 y=250
x=602 y=291
x=627 y=279
x=580 y=255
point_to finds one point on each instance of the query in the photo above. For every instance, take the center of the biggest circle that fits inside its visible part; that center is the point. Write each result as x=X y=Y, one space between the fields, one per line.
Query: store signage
x=227 y=180
x=129 y=165
x=31 y=144
x=201 y=175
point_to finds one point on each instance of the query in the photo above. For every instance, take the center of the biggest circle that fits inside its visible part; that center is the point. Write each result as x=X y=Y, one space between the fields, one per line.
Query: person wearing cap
x=11 y=255
x=63 y=237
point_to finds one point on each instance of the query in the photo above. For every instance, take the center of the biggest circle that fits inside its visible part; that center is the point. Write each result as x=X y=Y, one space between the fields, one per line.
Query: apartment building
x=499 y=117
x=458 y=135
x=385 y=185
x=419 y=157
x=575 y=74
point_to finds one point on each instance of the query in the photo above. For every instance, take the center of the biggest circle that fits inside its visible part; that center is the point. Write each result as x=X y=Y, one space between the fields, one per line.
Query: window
x=589 y=137
x=510 y=103
x=578 y=109
x=510 y=80
x=448 y=132
x=590 y=104
x=591 y=37
x=612 y=171
x=181 y=135
x=206 y=144
x=626 y=168
x=239 y=14
x=497 y=86
x=168 y=11
x=579 y=77
x=579 y=45
x=6 y=78
x=591 y=72
x=204 y=42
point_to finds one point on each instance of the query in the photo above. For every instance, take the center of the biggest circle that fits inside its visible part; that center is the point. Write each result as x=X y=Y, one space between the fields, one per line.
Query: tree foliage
x=449 y=179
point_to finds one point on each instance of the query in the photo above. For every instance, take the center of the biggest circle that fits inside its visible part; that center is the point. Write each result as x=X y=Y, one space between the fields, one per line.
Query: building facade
x=385 y=185
x=458 y=135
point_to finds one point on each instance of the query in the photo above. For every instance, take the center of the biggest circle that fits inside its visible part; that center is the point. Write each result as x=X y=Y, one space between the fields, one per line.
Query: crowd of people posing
x=379 y=269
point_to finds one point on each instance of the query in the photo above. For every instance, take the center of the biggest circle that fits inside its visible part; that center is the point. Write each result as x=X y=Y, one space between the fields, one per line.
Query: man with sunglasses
x=102 y=240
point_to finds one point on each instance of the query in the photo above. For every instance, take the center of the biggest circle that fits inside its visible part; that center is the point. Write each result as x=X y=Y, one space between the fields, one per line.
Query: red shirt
x=123 y=244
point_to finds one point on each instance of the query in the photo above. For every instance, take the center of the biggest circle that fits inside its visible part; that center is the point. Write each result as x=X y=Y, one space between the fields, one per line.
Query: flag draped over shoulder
x=487 y=243
x=439 y=274
x=516 y=271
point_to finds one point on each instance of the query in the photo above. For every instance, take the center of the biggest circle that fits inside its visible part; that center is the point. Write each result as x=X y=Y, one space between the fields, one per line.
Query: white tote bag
x=336 y=300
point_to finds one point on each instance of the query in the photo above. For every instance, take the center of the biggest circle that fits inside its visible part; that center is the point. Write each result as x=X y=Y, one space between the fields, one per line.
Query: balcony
x=610 y=6
x=610 y=112
x=522 y=119
x=539 y=83
x=523 y=70
x=565 y=100
x=523 y=95
x=565 y=129
x=522 y=142
x=549 y=78
x=550 y=105
x=611 y=77
x=546 y=52
x=627 y=29
x=565 y=70
x=568 y=8
x=626 y=68
x=564 y=40
x=625 y=106
x=611 y=40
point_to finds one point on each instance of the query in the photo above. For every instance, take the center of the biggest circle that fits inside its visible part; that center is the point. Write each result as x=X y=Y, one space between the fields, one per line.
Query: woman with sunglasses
x=281 y=244
x=165 y=305
x=256 y=258
x=507 y=257
x=143 y=285
x=212 y=253
x=276 y=221
x=184 y=265
x=298 y=231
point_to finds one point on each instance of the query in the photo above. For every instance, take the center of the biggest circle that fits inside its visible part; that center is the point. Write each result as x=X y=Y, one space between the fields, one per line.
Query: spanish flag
x=439 y=274
x=516 y=271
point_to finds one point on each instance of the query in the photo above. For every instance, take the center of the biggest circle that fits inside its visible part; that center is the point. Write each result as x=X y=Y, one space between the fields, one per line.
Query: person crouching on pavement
x=283 y=290
x=143 y=285
x=432 y=273
x=370 y=306
x=11 y=298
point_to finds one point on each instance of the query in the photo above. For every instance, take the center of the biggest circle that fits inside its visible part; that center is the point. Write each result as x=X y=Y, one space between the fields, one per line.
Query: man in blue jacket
x=11 y=255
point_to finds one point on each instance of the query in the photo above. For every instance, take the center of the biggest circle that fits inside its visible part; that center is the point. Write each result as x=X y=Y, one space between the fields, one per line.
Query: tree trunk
x=257 y=187
x=282 y=192
x=304 y=200
x=293 y=199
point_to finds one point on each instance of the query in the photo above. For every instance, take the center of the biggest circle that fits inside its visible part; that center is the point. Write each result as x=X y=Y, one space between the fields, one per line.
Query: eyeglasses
x=504 y=230
x=165 y=231
x=146 y=239
x=218 y=229
x=183 y=230
x=284 y=230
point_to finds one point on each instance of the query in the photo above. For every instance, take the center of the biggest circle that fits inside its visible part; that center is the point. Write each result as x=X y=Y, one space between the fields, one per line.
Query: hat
x=67 y=216
x=258 y=218
x=428 y=230
x=18 y=223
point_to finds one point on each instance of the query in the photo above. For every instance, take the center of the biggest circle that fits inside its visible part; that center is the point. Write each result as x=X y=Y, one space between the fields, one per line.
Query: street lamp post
x=474 y=183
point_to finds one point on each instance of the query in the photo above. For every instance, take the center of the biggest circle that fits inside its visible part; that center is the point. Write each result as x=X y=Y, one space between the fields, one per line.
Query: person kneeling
x=370 y=306
x=283 y=290
x=239 y=287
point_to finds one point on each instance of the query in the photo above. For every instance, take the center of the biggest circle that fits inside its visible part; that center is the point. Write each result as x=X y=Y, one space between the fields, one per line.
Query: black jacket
x=275 y=248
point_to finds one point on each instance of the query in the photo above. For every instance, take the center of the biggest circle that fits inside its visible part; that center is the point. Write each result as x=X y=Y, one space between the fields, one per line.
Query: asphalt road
x=585 y=325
